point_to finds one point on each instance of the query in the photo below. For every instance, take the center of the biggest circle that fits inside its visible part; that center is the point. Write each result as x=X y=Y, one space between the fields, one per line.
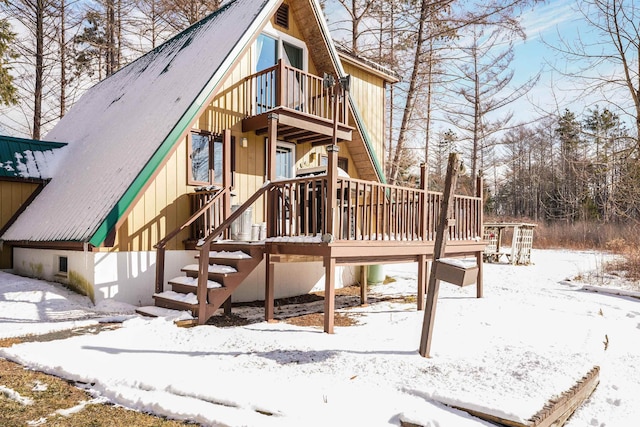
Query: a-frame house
x=236 y=160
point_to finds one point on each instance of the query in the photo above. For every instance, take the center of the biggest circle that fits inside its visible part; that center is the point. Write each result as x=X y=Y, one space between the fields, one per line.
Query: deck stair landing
x=229 y=265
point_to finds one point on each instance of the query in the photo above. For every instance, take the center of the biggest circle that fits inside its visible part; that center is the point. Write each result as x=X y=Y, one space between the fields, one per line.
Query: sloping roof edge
x=356 y=113
x=158 y=158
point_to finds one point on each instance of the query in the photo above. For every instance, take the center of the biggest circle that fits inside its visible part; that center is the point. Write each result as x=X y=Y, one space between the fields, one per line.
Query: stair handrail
x=204 y=246
x=160 y=246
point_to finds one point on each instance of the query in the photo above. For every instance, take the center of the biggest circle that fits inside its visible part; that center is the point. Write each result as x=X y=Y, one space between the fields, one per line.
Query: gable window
x=273 y=45
x=205 y=158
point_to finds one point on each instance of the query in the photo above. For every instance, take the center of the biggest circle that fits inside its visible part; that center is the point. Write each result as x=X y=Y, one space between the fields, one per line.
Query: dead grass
x=628 y=262
x=50 y=394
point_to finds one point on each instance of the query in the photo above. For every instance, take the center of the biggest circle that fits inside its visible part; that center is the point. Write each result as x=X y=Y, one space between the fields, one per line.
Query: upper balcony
x=305 y=108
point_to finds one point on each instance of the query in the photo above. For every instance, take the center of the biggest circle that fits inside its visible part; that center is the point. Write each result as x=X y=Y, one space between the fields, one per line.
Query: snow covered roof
x=123 y=128
x=27 y=158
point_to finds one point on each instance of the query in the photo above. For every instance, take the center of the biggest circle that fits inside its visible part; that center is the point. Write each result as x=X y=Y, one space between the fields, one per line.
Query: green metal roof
x=22 y=158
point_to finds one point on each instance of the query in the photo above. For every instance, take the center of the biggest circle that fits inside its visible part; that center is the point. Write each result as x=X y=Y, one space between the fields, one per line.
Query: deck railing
x=209 y=208
x=367 y=211
x=286 y=86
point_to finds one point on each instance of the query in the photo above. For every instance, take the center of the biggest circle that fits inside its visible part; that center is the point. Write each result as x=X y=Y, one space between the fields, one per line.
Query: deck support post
x=363 y=285
x=423 y=267
x=269 y=289
x=227 y=306
x=329 y=293
x=438 y=252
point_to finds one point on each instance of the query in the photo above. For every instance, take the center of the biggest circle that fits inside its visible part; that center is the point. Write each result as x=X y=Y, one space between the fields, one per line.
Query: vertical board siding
x=369 y=93
x=12 y=196
x=163 y=207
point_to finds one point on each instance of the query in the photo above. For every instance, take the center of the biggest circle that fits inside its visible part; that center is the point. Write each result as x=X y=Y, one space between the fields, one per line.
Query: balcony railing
x=289 y=87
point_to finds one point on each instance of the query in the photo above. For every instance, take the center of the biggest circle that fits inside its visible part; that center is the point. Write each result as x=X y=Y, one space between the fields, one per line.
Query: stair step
x=167 y=313
x=190 y=283
x=216 y=272
x=229 y=255
x=177 y=301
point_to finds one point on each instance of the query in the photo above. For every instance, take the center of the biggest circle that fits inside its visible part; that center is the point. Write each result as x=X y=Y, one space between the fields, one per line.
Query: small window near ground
x=63 y=265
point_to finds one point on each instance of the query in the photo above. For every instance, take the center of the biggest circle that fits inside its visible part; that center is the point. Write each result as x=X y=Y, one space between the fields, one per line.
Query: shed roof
x=22 y=158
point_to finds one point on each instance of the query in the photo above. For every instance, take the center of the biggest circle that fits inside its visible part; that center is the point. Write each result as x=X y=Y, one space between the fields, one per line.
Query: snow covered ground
x=533 y=335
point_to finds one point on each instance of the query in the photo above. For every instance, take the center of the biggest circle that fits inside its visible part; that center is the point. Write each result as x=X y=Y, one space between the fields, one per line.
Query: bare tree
x=608 y=61
x=484 y=89
x=36 y=56
x=179 y=14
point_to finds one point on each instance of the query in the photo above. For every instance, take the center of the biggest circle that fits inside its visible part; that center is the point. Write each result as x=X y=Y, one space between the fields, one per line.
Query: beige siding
x=12 y=196
x=163 y=207
x=368 y=91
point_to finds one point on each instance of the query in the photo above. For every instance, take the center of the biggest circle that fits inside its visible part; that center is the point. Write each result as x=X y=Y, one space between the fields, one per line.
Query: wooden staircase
x=229 y=264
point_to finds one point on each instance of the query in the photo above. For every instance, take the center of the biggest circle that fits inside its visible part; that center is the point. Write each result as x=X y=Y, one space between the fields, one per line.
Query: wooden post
x=438 y=252
x=272 y=143
x=281 y=75
x=227 y=306
x=203 y=277
x=329 y=293
x=423 y=200
x=226 y=171
x=363 y=285
x=479 y=260
x=160 y=255
x=332 y=186
x=269 y=290
x=422 y=280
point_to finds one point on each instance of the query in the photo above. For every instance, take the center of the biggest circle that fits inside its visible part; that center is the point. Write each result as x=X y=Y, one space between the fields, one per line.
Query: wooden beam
x=439 y=252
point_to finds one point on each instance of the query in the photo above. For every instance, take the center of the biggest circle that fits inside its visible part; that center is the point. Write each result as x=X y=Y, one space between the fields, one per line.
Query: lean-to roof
x=28 y=159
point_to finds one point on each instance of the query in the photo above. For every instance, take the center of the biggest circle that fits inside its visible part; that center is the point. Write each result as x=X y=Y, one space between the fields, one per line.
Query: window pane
x=284 y=162
x=293 y=55
x=200 y=157
x=267 y=52
x=218 y=164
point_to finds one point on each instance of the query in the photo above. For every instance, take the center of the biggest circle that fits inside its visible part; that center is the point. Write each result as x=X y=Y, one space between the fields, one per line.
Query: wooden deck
x=338 y=221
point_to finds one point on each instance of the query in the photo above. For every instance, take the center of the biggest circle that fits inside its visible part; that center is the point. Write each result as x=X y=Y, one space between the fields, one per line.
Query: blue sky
x=548 y=25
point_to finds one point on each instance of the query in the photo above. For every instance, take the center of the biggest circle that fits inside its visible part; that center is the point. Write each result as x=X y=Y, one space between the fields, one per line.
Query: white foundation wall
x=130 y=276
x=43 y=264
x=121 y=276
